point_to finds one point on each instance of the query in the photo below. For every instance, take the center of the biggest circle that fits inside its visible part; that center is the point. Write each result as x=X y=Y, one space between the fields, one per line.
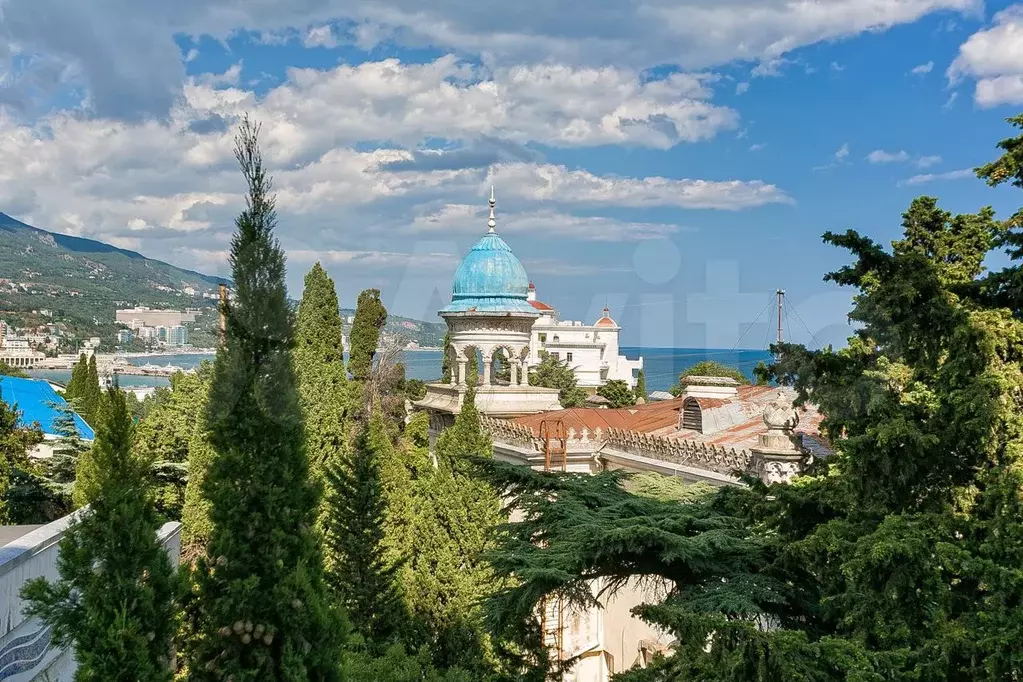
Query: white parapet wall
x=26 y=651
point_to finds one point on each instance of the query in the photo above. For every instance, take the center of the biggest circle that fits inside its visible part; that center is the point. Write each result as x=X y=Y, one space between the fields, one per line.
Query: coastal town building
x=17 y=351
x=154 y=317
x=591 y=351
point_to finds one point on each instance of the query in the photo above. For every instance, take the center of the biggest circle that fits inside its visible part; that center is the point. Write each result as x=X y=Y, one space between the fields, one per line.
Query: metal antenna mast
x=781 y=295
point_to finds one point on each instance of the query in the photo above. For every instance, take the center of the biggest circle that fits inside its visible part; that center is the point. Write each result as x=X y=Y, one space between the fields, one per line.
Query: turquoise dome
x=490 y=279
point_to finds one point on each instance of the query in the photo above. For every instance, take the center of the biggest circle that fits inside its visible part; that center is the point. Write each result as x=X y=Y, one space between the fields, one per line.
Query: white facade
x=590 y=350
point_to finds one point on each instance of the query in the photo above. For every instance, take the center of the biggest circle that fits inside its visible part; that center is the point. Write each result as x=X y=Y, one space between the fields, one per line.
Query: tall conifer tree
x=114 y=599
x=320 y=368
x=370 y=317
x=361 y=575
x=262 y=614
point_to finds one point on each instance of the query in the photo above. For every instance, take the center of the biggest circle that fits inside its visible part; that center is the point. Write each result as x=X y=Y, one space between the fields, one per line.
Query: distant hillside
x=404 y=329
x=82 y=281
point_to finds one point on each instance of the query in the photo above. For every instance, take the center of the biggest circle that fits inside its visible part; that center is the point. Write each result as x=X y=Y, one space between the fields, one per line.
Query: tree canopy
x=554 y=373
x=709 y=368
x=618 y=393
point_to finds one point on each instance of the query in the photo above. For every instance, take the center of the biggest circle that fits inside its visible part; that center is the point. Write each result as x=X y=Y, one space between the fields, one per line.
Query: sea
x=660 y=365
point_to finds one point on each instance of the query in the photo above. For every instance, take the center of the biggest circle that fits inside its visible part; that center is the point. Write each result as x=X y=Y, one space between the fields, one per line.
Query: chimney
x=709 y=387
x=531 y=295
x=223 y=311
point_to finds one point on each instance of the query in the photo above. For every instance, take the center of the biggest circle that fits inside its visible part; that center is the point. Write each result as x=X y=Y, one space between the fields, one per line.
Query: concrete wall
x=26 y=653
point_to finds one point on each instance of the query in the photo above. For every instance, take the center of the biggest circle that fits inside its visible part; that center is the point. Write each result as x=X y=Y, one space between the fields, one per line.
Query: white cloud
x=320 y=36
x=471 y=218
x=694 y=34
x=230 y=77
x=994 y=57
x=881 y=156
x=922 y=69
x=741 y=87
x=836 y=67
x=902 y=156
x=756 y=147
x=558 y=184
x=933 y=177
x=950 y=101
x=837 y=159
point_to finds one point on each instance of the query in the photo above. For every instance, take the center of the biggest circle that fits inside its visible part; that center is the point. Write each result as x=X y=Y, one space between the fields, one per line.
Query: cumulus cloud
x=994 y=57
x=559 y=184
x=126 y=56
x=922 y=69
x=320 y=36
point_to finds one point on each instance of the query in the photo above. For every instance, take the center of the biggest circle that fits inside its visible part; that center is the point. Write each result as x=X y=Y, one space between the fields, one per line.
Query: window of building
x=555 y=355
x=568 y=356
x=543 y=337
x=555 y=338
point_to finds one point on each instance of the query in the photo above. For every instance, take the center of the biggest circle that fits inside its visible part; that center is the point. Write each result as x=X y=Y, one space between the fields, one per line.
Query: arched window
x=692 y=415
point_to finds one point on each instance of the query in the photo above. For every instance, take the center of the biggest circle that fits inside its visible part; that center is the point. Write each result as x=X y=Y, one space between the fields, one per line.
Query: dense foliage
x=554 y=373
x=898 y=557
x=320 y=369
x=617 y=393
x=709 y=368
x=262 y=611
x=114 y=598
x=370 y=317
x=361 y=575
x=83 y=391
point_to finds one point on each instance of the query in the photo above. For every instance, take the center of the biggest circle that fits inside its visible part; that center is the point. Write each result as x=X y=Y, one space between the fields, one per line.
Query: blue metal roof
x=490 y=279
x=35 y=399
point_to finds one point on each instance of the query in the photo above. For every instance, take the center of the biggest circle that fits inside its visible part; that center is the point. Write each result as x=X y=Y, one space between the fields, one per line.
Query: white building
x=590 y=350
x=17 y=352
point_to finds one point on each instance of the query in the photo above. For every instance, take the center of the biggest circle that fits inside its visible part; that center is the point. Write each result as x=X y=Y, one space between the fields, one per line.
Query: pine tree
x=262 y=611
x=618 y=393
x=370 y=317
x=554 y=373
x=641 y=385
x=320 y=369
x=114 y=599
x=361 y=576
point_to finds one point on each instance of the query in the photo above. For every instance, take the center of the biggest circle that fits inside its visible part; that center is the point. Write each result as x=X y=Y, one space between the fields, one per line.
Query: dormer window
x=692 y=415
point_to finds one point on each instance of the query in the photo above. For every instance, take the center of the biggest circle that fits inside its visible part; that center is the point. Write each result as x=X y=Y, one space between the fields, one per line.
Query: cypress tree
x=467 y=510
x=361 y=575
x=320 y=369
x=195 y=513
x=75 y=389
x=445 y=363
x=641 y=385
x=262 y=611
x=370 y=317
x=93 y=393
x=114 y=599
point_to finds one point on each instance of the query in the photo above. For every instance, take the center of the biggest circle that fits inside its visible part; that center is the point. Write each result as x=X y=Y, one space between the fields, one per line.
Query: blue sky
x=677 y=160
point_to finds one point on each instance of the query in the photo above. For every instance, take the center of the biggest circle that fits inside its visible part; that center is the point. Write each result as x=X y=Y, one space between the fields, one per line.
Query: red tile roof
x=539 y=305
x=661 y=418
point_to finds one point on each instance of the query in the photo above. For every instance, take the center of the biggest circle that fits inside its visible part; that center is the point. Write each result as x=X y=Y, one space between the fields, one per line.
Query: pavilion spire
x=492 y=222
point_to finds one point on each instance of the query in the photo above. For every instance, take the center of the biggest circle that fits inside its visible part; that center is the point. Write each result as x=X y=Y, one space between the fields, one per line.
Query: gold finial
x=492 y=223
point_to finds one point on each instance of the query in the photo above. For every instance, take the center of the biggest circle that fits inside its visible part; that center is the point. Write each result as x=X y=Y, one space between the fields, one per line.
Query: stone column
x=513 y=365
x=488 y=366
x=525 y=371
x=779 y=455
x=461 y=371
x=453 y=360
